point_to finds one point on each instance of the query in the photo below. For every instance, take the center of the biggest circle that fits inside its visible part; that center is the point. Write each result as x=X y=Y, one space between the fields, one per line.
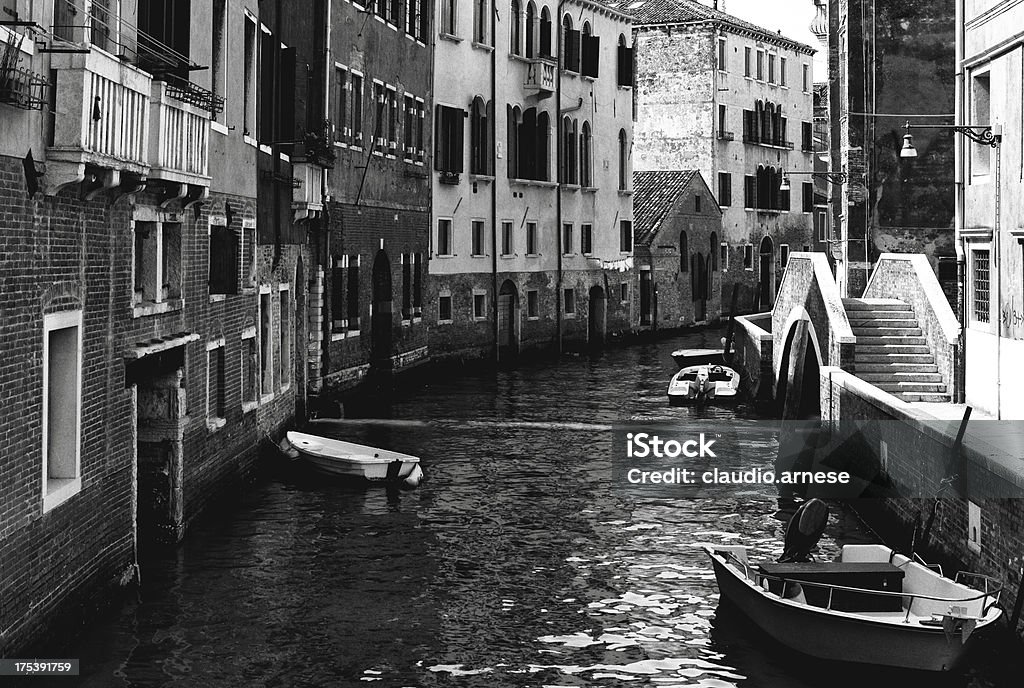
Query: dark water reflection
x=515 y=564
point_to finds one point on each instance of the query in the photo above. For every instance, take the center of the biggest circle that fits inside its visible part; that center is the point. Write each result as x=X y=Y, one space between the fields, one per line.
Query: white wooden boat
x=911 y=617
x=700 y=383
x=685 y=358
x=348 y=459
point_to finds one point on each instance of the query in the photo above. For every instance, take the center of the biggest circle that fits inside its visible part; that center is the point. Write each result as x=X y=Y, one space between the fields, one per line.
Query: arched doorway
x=597 y=316
x=508 y=320
x=698 y=286
x=380 y=321
x=766 y=274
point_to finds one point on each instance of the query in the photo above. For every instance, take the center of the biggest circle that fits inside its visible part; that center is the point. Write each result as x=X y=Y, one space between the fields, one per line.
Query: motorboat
x=351 y=460
x=699 y=383
x=872 y=606
x=685 y=358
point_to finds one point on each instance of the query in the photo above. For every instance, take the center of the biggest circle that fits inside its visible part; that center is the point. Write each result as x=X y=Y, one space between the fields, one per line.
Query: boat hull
x=830 y=636
x=350 y=460
x=690 y=357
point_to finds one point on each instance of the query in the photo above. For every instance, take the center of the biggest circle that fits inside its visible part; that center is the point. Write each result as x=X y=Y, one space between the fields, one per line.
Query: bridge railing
x=909 y=277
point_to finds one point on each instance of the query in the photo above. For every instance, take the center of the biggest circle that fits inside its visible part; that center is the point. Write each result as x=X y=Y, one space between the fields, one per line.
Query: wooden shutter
x=268 y=63
x=591 y=53
x=286 y=96
x=439 y=121
x=455 y=145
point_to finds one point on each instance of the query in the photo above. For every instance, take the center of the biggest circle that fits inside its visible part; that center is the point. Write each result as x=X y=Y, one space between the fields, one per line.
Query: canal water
x=516 y=563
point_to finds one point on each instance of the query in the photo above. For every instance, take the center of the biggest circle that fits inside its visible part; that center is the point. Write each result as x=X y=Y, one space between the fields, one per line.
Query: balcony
x=179 y=135
x=540 y=76
x=101 y=120
x=307 y=197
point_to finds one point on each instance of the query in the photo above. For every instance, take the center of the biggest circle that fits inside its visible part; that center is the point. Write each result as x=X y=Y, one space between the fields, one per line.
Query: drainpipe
x=492 y=125
x=557 y=26
x=326 y=319
x=960 y=373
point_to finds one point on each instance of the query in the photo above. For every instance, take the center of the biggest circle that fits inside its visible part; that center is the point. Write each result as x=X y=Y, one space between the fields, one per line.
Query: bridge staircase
x=892 y=352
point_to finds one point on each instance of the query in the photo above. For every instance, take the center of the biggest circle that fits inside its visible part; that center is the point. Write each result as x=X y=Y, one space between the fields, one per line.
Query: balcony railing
x=540 y=76
x=179 y=136
x=307 y=198
x=19 y=86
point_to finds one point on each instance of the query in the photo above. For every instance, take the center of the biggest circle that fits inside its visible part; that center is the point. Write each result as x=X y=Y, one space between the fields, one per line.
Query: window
x=724 y=256
x=391 y=98
x=218 y=63
x=807 y=78
x=762 y=191
x=722 y=121
x=352 y=293
x=356 y=118
x=712 y=252
x=586 y=238
x=531 y=239
x=528 y=144
x=284 y=358
x=420 y=116
x=696 y=203
x=250 y=364
x=567 y=175
x=481 y=25
x=479 y=306
x=808 y=197
x=417 y=285
x=981 y=114
x=381 y=128
x=784 y=255
x=567 y=238
x=515 y=37
x=746 y=61
x=545 y=32
x=339 y=306
x=406 y=286
x=395 y=12
x=569 y=302
x=266 y=342
x=749 y=191
x=444 y=237
x=721 y=55
x=590 y=52
x=806 y=136
x=341 y=83
x=822 y=222
x=478 y=237
x=216 y=406
x=380 y=7
x=623 y=161
x=409 y=130
x=724 y=189
x=62 y=406
x=530 y=47
x=980 y=305
x=507 y=238
x=771 y=68
x=444 y=307
x=625 y=236
x=624 y=292
x=223 y=277
x=748 y=256
x=782 y=71
x=586 y=144
x=413 y=21
x=249 y=79
x=760 y=65
x=448 y=139
x=532 y=304
x=684 y=252
x=570 y=46
x=449 y=17
x=157 y=262
x=625 y=63
x=479 y=135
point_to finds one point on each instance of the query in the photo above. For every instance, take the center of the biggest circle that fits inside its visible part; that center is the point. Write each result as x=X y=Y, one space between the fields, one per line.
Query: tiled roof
x=649 y=12
x=654 y=193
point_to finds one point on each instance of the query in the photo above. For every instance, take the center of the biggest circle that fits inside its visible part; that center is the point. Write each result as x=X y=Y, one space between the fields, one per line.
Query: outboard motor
x=702 y=384
x=804 y=531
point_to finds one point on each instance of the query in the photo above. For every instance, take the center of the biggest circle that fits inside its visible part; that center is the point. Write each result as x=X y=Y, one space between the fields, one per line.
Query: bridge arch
x=798 y=370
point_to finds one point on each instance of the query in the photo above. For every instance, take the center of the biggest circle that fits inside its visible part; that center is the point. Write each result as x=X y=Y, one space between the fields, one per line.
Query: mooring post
x=732 y=320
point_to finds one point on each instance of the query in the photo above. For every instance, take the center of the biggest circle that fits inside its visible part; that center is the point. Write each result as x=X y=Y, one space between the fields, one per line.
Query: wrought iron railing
x=20 y=87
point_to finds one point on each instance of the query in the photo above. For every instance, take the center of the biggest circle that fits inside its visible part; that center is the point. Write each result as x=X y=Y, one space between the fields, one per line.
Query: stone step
x=911 y=386
x=898 y=320
x=885 y=352
x=926 y=366
x=899 y=377
x=931 y=397
x=887 y=331
x=875 y=305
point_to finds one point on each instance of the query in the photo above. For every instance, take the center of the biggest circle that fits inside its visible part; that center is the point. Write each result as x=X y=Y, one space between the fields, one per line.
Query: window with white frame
x=980 y=285
x=722 y=65
x=218 y=54
x=532 y=304
x=760 y=65
x=355 y=127
x=507 y=238
x=216 y=398
x=449 y=17
x=250 y=369
x=444 y=237
x=625 y=236
x=482 y=22
x=225 y=254
x=444 y=307
x=342 y=84
x=748 y=256
x=249 y=78
x=157 y=262
x=409 y=132
x=567 y=238
x=479 y=305
x=478 y=239
x=532 y=240
x=62 y=406
x=782 y=71
x=624 y=292
x=569 y=302
x=724 y=256
x=981 y=114
x=586 y=238
x=266 y=318
x=515 y=30
x=806 y=78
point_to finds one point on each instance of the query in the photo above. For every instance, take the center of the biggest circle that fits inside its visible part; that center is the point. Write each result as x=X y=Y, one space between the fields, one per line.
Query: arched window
x=586 y=176
x=623 y=161
x=625 y=63
x=570 y=45
x=516 y=29
x=531 y=29
x=479 y=134
x=567 y=174
x=755 y=131
x=713 y=251
x=541 y=138
x=684 y=252
x=527 y=140
x=515 y=118
x=545 y=32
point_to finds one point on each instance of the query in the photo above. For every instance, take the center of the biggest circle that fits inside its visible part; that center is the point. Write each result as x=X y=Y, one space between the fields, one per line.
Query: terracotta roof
x=661 y=12
x=654 y=193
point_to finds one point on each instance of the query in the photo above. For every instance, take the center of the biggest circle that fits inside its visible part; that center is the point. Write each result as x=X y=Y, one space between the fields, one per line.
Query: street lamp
x=986 y=134
x=830 y=177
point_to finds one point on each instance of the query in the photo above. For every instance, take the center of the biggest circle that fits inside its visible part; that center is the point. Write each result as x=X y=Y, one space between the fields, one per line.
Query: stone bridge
x=901 y=336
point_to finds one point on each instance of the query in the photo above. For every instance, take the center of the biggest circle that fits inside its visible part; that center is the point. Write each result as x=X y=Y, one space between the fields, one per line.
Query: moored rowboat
x=348 y=459
x=926 y=624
